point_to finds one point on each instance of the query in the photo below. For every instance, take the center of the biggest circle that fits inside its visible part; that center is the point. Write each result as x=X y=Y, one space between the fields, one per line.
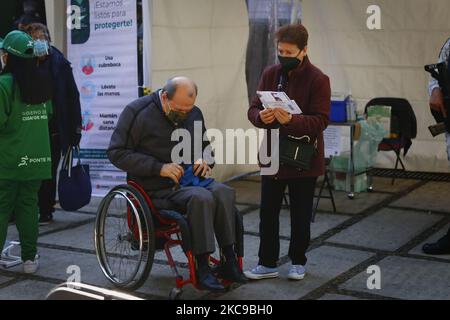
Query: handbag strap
x=282 y=82
x=316 y=142
x=66 y=160
x=78 y=153
x=301 y=138
x=67 y=163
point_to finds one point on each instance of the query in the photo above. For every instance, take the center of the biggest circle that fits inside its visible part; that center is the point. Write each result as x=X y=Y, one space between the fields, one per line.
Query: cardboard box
x=342 y=181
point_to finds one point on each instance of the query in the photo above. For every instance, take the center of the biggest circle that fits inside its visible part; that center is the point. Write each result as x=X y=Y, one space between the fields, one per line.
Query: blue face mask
x=41 y=48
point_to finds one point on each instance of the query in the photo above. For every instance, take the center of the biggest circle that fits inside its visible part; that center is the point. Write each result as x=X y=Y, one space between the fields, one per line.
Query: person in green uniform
x=25 y=109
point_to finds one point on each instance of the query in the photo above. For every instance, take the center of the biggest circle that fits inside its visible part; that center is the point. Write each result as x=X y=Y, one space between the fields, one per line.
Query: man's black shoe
x=231 y=271
x=207 y=281
x=440 y=247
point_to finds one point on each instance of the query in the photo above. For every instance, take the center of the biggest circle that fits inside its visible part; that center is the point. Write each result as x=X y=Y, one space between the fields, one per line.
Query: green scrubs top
x=24 y=136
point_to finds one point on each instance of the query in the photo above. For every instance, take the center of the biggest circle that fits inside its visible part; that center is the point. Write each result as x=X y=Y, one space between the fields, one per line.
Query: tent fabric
x=383 y=63
x=56 y=22
x=265 y=16
x=206 y=40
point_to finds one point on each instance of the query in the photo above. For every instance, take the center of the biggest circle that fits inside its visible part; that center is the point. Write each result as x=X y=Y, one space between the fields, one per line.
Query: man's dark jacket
x=142 y=144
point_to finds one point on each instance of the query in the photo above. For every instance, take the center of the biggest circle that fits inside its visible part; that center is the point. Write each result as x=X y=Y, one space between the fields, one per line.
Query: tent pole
x=295 y=11
x=275 y=25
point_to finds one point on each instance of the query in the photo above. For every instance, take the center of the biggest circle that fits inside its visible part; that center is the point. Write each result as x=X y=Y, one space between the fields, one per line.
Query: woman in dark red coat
x=310 y=88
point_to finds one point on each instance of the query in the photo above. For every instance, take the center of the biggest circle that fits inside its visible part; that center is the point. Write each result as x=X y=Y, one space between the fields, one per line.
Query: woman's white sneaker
x=261 y=272
x=30 y=267
x=297 y=272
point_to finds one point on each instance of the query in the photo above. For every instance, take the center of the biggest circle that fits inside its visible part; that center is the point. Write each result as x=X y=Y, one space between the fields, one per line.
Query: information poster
x=102 y=47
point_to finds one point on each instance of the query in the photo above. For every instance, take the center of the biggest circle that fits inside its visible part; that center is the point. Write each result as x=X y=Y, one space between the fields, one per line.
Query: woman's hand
x=267 y=116
x=282 y=116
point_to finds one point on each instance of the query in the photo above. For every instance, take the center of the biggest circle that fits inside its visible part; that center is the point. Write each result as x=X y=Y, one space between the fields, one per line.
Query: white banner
x=102 y=46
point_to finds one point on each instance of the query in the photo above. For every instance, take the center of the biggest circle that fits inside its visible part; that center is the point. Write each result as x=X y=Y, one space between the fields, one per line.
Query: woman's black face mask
x=289 y=63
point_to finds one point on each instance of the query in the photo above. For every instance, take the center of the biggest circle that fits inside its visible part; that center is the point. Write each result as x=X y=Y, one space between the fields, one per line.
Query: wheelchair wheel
x=125 y=238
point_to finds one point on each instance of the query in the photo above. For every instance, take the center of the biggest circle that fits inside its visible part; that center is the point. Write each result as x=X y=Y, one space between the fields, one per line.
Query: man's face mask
x=41 y=48
x=176 y=117
x=289 y=63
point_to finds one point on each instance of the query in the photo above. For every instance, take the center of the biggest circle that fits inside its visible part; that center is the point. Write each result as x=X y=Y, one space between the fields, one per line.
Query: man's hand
x=201 y=168
x=267 y=116
x=172 y=171
x=437 y=101
x=282 y=116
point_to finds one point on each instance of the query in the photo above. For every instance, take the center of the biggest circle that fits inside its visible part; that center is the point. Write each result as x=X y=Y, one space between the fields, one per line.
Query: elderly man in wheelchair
x=142 y=146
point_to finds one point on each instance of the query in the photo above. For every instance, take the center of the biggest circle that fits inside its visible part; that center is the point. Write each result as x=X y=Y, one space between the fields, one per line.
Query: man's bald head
x=182 y=92
x=174 y=84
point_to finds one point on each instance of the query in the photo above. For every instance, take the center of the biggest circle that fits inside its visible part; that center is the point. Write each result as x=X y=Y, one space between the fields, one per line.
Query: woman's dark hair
x=35 y=83
x=294 y=34
x=35 y=27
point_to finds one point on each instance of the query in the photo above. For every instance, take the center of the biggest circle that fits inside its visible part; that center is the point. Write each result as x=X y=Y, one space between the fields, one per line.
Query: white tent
x=206 y=40
x=386 y=62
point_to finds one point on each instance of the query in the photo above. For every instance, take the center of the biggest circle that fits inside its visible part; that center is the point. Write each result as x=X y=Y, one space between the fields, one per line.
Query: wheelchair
x=129 y=230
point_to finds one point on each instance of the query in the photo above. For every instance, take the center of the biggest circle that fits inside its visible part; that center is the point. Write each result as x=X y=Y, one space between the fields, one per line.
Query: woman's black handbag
x=74 y=185
x=297 y=152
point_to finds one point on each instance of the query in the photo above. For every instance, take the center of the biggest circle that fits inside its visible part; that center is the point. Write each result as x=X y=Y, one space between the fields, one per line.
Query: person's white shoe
x=261 y=272
x=297 y=272
x=30 y=267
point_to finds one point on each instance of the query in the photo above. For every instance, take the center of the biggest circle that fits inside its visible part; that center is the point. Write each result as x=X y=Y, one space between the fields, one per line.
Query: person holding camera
x=442 y=246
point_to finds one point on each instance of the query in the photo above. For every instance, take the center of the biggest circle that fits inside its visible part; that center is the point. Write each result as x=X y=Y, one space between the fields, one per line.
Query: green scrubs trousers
x=20 y=197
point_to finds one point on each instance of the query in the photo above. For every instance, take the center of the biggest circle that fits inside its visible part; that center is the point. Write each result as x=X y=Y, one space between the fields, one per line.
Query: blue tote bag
x=74 y=185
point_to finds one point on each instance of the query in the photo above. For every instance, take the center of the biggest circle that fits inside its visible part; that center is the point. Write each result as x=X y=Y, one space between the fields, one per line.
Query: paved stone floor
x=386 y=228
